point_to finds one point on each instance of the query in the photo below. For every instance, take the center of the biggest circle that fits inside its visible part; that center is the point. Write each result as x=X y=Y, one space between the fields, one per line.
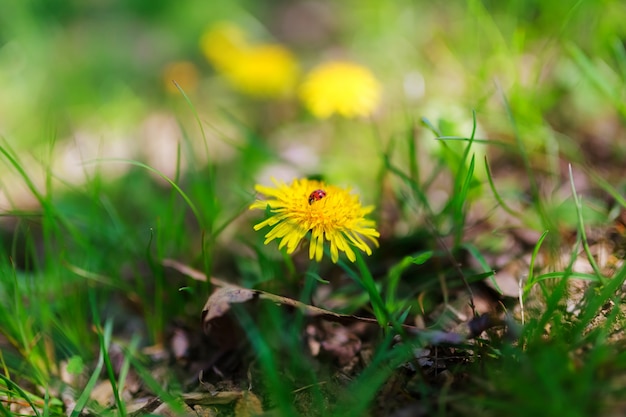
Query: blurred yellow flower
x=258 y=70
x=265 y=71
x=347 y=89
x=221 y=43
x=330 y=213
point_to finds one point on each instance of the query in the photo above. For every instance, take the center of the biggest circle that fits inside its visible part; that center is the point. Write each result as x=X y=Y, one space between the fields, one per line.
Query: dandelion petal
x=335 y=216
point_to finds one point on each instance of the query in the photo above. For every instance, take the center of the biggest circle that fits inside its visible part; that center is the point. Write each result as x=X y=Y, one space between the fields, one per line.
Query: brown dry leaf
x=142 y=406
x=191 y=272
x=340 y=342
x=312 y=311
x=222 y=327
x=248 y=405
x=508 y=278
x=165 y=410
x=219 y=302
x=102 y=393
x=207 y=398
x=343 y=344
x=202 y=411
x=179 y=344
x=222 y=298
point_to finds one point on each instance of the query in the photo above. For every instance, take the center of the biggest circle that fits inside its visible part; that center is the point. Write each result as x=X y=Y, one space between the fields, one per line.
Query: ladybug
x=316 y=196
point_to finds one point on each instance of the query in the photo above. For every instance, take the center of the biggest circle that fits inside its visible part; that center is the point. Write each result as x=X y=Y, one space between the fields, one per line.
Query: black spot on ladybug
x=316 y=196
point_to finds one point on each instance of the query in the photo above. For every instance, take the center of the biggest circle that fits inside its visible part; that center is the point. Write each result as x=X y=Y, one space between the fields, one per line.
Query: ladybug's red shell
x=316 y=196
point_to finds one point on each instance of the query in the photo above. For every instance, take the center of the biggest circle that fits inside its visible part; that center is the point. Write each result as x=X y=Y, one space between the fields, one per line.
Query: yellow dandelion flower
x=223 y=42
x=347 y=89
x=264 y=71
x=330 y=213
x=258 y=70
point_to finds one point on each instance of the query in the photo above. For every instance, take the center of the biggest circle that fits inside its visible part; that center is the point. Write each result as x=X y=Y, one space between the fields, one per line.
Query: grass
x=510 y=160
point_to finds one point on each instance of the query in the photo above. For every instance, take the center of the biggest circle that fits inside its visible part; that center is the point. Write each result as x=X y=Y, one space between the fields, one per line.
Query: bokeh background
x=95 y=80
x=133 y=132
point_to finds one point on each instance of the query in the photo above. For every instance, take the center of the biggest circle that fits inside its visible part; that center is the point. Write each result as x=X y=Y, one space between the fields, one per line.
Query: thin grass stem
x=581 y=226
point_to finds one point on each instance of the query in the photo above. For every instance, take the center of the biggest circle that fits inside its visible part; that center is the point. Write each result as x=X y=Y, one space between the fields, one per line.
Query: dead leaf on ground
x=218 y=323
x=220 y=301
x=339 y=342
x=248 y=405
x=207 y=398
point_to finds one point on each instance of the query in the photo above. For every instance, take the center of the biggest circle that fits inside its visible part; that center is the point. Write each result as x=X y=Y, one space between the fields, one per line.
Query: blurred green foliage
x=66 y=61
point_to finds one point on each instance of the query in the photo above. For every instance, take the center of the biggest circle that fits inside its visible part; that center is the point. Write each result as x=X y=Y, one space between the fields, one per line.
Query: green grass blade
x=581 y=226
x=563 y=274
x=431 y=127
x=360 y=393
x=395 y=273
x=473 y=250
x=13 y=386
x=368 y=283
x=412 y=156
x=461 y=204
x=489 y=142
x=105 y=341
x=419 y=194
x=530 y=280
x=268 y=362
x=83 y=398
x=154 y=385
x=598 y=80
x=607 y=187
x=125 y=368
x=5 y=411
x=184 y=196
x=196 y=116
x=496 y=194
x=530 y=173
x=595 y=303
x=620 y=56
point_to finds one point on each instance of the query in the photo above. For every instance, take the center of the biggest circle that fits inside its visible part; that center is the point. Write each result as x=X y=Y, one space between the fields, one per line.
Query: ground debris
x=248 y=405
x=211 y=398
